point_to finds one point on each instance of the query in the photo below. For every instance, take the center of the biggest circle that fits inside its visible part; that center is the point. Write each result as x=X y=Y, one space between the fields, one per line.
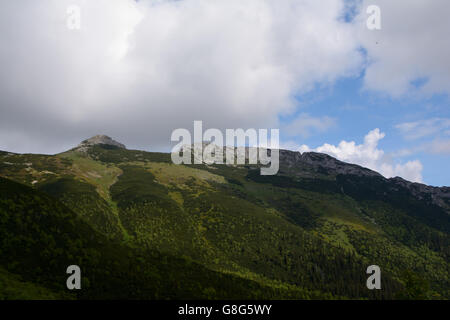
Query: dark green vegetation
x=141 y=227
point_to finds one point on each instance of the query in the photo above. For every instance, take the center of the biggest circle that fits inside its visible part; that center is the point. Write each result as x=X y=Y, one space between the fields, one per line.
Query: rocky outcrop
x=439 y=196
x=320 y=163
x=99 y=140
x=301 y=164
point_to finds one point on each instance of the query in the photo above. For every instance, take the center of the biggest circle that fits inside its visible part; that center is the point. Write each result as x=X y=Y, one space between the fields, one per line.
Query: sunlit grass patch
x=168 y=174
x=100 y=175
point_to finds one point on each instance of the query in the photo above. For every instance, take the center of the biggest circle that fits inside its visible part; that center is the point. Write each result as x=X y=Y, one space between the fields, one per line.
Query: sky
x=136 y=71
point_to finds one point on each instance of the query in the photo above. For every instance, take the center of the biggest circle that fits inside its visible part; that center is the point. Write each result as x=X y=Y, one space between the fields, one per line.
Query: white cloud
x=138 y=70
x=411 y=170
x=368 y=155
x=435 y=128
x=304 y=125
x=412 y=46
x=440 y=146
x=423 y=128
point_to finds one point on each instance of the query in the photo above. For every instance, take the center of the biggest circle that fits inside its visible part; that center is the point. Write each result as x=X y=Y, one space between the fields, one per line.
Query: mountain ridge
x=313 y=158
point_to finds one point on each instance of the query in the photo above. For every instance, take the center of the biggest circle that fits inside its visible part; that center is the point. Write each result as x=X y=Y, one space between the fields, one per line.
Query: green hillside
x=142 y=227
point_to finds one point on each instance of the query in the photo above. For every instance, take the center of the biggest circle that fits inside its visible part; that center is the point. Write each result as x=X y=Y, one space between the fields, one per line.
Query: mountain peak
x=100 y=139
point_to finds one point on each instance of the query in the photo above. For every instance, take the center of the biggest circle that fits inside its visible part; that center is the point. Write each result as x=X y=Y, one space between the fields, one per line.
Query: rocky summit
x=99 y=140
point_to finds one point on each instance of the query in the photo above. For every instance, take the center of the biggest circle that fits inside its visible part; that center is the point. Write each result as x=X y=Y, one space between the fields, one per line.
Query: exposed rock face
x=308 y=164
x=439 y=196
x=323 y=163
x=314 y=165
x=99 y=139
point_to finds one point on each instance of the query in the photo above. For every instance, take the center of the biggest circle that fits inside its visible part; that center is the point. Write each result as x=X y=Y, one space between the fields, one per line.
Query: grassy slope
x=12 y=287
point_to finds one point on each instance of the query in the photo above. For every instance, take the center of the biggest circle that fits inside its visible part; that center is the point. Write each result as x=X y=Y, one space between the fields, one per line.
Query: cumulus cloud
x=138 y=70
x=410 y=52
x=370 y=156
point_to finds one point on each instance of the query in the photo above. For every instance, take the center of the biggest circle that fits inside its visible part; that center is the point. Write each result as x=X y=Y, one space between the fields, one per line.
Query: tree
x=415 y=287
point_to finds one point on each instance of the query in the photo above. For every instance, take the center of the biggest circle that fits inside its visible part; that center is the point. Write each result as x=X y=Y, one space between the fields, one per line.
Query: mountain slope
x=310 y=231
x=41 y=237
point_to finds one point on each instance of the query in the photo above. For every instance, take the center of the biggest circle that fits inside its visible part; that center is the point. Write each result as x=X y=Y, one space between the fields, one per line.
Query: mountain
x=141 y=227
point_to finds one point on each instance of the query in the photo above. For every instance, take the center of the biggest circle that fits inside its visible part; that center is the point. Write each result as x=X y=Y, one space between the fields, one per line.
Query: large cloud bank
x=138 y=70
